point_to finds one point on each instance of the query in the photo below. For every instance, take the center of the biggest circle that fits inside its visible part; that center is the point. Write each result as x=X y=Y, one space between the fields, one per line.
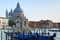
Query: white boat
x=54 y=30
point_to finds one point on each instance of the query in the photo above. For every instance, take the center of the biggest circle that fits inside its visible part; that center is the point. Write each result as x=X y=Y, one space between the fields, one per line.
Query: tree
x=11 y=23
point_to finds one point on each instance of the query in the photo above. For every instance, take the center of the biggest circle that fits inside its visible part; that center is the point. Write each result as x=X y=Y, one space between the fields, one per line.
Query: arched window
x=18 y=16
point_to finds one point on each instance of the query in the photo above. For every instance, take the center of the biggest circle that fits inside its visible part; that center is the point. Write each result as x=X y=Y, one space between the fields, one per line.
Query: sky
x=34 y=10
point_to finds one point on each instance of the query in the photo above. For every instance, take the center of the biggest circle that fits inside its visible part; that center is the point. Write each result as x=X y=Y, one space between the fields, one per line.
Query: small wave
x=57 y=38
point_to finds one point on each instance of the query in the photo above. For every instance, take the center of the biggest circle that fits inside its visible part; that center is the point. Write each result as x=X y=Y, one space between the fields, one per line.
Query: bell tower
x=6 y=13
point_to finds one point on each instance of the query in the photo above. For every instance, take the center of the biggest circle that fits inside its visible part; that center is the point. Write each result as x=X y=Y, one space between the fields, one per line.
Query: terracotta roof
x=3 y=17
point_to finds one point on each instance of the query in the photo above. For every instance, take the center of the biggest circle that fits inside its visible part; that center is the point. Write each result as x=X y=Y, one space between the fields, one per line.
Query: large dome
x=18 y=9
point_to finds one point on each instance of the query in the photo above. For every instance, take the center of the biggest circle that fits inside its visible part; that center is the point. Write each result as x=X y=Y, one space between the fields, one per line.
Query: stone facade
x=43 y=24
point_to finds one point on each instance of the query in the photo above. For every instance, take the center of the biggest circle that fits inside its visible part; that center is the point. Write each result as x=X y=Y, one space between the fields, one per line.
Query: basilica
x=17 y=15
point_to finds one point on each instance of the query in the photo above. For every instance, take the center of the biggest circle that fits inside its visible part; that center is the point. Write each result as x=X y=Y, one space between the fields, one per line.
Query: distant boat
x=54 y=30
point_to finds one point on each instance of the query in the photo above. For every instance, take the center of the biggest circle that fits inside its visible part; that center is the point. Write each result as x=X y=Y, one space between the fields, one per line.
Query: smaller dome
x=10 y=14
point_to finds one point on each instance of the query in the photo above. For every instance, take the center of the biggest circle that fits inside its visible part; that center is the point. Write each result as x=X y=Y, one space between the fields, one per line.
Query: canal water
x=3 y=35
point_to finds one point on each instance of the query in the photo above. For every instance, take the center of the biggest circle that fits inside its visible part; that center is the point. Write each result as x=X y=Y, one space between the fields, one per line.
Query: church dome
x=18 y=9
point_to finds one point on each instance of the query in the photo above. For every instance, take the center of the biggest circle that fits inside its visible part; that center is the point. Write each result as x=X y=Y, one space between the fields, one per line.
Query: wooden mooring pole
x=1 y=35
x=6 y=36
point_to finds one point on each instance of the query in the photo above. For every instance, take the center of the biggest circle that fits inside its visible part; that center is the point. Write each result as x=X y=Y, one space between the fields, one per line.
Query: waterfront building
x=17 y=15
x=44 y=24
x=3 y=22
